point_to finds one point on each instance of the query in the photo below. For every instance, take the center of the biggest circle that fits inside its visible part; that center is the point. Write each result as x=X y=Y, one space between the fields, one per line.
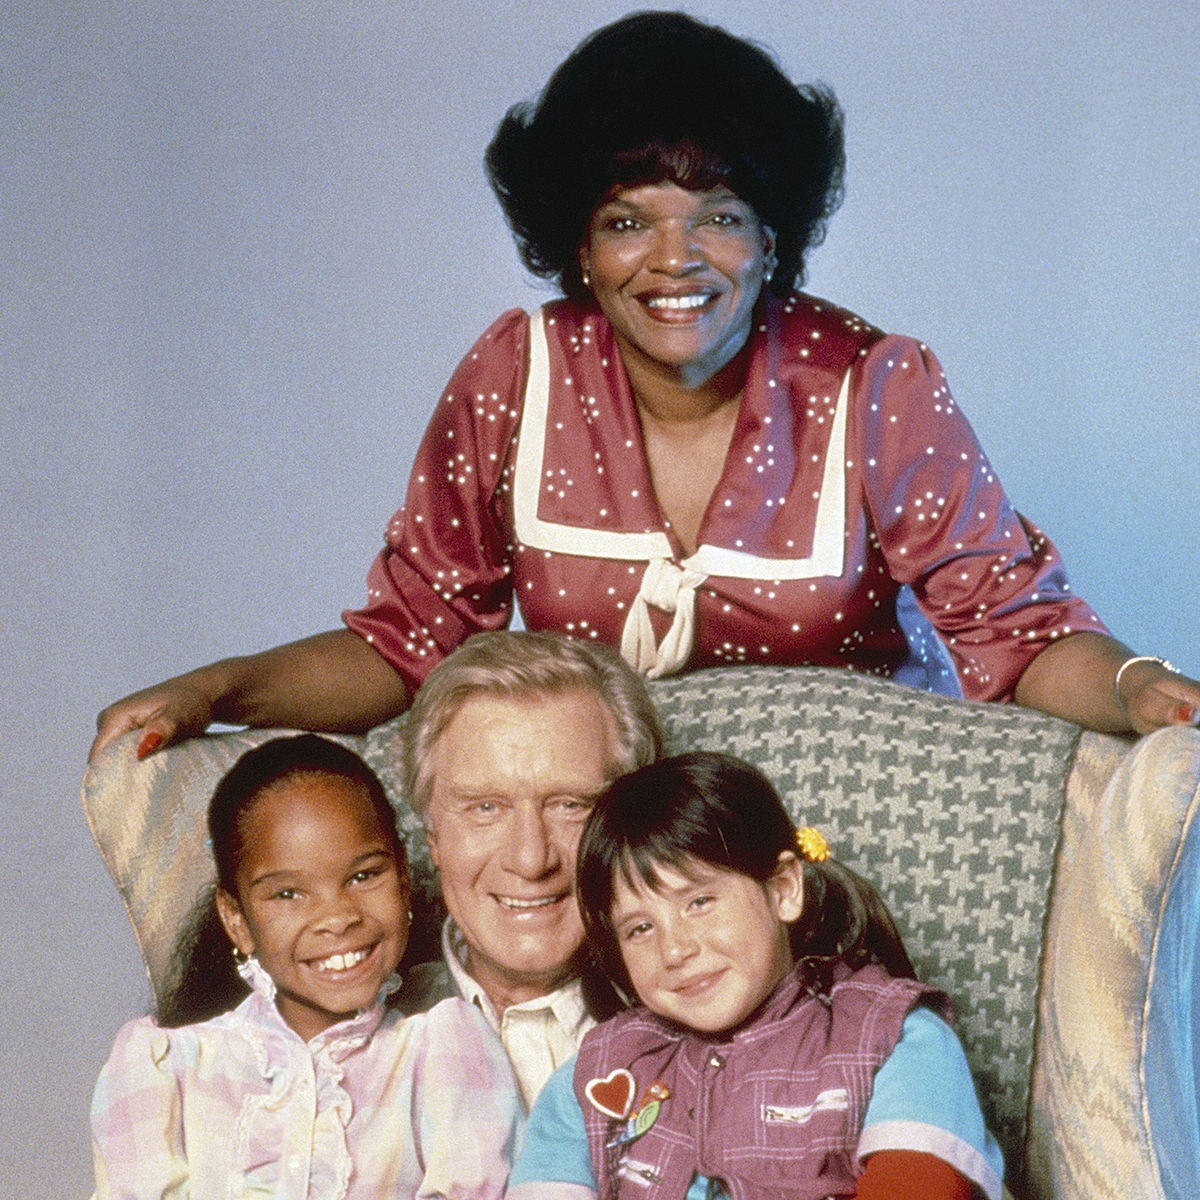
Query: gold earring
x=586 y=278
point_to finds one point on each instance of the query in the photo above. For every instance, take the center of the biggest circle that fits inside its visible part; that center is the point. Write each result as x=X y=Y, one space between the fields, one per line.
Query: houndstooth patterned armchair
x=1048 y=879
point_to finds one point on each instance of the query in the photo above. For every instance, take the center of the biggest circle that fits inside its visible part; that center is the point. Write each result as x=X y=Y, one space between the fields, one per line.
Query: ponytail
x=203 y=982
x=844 y=921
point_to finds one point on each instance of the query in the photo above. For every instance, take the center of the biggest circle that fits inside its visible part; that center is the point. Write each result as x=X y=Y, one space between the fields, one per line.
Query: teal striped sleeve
x=924 y=1099
x=554 y=1161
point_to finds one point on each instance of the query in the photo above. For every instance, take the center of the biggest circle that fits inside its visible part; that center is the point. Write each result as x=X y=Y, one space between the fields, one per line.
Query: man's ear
x=234 y=922
x=785 y=888
x=431 y=838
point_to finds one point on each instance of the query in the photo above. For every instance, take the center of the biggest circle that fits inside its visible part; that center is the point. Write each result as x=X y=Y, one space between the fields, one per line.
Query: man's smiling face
x=514 y=778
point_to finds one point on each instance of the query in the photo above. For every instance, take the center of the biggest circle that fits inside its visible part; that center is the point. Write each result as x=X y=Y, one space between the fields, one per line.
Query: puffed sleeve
x=137 y=1126
x=991 y=582
x=444 y=572
x=466 y=1106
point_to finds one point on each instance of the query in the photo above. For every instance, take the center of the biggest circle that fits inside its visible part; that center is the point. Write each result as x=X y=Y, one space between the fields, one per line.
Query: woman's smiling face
x=677 y=273
x=321 y=898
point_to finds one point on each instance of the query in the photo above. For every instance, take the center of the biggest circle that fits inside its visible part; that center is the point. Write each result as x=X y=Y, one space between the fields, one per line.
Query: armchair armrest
x=1113 y=1107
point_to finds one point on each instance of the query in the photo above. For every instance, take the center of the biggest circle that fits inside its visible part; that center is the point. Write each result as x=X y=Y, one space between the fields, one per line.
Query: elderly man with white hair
x=509 y=741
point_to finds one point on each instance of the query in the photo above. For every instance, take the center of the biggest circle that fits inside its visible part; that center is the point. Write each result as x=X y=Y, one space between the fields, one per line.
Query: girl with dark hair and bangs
x=686 y=457
x=775 y=1043
x=292 y=1074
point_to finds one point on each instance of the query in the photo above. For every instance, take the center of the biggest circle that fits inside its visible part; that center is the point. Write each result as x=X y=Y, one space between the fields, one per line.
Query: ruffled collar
x=284 y=1062
x=260 y=1007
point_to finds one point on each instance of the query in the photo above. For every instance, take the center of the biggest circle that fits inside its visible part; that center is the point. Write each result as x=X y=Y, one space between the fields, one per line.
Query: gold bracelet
x=1137 y=658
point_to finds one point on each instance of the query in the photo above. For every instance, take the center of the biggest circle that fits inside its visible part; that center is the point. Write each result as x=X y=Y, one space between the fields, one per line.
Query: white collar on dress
x=666 y=585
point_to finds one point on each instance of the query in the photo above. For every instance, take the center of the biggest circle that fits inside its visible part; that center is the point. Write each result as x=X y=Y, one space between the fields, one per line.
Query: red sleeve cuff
x=911 y=1175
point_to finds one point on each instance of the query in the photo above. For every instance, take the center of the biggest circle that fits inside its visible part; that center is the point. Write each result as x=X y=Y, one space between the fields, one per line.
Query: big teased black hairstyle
x=716 y=809
x=204 y=981
x=661 y=96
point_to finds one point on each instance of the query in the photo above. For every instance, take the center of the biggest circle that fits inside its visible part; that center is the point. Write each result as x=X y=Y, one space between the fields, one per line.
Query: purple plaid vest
x=775 y=1111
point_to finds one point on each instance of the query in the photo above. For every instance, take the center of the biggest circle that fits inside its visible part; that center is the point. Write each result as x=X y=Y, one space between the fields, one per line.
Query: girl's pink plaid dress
x=378 y=1106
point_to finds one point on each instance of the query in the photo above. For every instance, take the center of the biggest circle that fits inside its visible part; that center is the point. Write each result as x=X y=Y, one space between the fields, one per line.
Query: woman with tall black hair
x=685 y=457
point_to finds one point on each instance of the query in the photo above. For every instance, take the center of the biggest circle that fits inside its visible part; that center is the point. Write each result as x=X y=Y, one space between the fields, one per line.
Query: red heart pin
x=612 y=1095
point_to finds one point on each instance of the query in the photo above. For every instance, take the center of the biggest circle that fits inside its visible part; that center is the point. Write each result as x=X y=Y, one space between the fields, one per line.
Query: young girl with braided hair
x=775 y=1044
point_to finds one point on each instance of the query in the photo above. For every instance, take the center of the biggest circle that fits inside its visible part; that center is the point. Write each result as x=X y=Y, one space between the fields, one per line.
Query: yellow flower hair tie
x=812 y=843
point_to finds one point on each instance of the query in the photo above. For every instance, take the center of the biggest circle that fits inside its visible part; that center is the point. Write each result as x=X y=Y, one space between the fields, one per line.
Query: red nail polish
x=149 y=743
x=1186 y=714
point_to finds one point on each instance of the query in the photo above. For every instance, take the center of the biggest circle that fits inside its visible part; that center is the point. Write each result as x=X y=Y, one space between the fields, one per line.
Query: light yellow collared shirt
x=539 y=1035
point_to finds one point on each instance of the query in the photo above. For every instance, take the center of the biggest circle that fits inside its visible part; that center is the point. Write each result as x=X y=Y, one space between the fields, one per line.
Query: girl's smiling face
x=321 y=898
x=705 y=947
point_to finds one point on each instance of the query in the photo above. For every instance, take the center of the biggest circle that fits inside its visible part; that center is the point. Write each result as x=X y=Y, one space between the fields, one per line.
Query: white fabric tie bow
x=673 y=590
